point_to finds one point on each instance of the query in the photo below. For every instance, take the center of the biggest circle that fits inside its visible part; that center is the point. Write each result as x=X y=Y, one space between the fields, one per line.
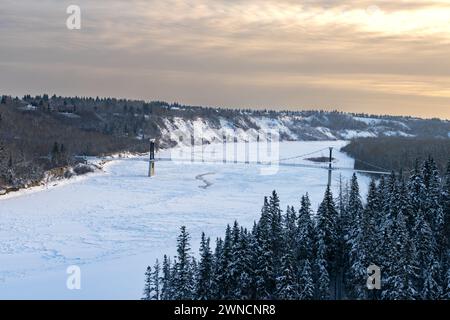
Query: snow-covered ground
x=114 y=224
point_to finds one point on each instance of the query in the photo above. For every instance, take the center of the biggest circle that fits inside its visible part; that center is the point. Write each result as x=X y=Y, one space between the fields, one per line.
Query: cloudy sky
x=367 y=56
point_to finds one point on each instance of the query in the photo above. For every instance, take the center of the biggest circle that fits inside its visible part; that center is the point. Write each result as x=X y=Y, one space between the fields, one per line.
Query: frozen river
x=115 y=223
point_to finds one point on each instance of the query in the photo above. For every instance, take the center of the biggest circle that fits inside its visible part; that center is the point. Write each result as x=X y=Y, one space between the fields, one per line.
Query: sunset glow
x=367 y=56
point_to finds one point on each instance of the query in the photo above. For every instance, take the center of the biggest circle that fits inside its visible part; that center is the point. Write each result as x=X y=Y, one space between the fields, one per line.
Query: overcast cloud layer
x=366 y=56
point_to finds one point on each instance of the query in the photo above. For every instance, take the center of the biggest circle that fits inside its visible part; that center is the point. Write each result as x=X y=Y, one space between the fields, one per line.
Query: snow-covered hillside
x=114 y=224
x=289 y=127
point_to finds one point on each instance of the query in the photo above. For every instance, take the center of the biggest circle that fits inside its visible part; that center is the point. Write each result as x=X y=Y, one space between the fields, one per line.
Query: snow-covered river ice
x=115 y=223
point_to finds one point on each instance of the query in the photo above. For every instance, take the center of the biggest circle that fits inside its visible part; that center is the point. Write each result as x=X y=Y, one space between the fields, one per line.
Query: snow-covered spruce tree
x=193 y=274
x=322 y=278
x=276 y=234
x=381 y=195
x=265 y=287
x=433 y=209
x=183 y=280
x=286 y=281
x=203 y=290
x=306 y=282
x=226 y=276
x=446 y=231
x=354 y=209
x=245 y=288
x=148 y=284
x=253 y=250
x=388 y=193
x=234 y=268
x=173 y=280
x=357 y=242
x=372 y=220
x=156 y=282
x=342 y=201
x=305 y=237
x=342 y=247
x=446 y=206
x=427 y=285
x=434 y=214
x=290 y=228
x=216 y=281
x=416 y=194
x=166 y=290
x=408 y=259
x=326 y=230
x=349 y=226
x=305 y=248
x=390 y=204
x=402 y=269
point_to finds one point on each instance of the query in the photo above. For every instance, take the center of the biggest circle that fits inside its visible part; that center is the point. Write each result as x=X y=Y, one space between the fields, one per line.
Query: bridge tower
x=224 y=148
x=192 y=148
x=258 y=161
x=151 y=167
x=330 y=169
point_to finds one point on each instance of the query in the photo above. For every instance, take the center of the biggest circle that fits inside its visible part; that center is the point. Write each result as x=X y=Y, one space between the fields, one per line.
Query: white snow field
x=112 y=225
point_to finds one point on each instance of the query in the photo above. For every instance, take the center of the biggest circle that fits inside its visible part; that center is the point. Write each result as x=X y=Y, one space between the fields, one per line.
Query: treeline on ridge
x=397 y=153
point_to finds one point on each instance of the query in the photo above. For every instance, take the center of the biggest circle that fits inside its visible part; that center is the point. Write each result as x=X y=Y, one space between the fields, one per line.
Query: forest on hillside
x=32 y=142
x=403 y=227
x=397 y=153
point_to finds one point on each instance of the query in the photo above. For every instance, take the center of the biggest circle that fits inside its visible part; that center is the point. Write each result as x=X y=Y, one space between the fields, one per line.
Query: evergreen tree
x=245 y=288
x=371 y=222
x=226 y=275
x=156 y=284
x=276 y=235
x=204 y=283
x=433 y=193
x=322 y=275
x=290 y=228
x=306 y=283
x=358 y=240
x=217 y=279
x=264 y=258
x=416 y=193
x=286 y=281
x=183 y=279
x=166 y=290
x=193 y=275
x=326 y=230
x=446 y=207
x=287 y=288
x=234 y=267
x=305 y=238
x=148 y=284
x=446 y=233
x=435 y=215
x=401 y=268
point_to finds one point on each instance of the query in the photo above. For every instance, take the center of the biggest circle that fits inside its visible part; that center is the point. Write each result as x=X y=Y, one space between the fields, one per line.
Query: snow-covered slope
x=289 y=128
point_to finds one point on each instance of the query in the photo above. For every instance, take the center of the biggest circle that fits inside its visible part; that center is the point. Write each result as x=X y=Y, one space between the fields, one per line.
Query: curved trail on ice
x=207 y=183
